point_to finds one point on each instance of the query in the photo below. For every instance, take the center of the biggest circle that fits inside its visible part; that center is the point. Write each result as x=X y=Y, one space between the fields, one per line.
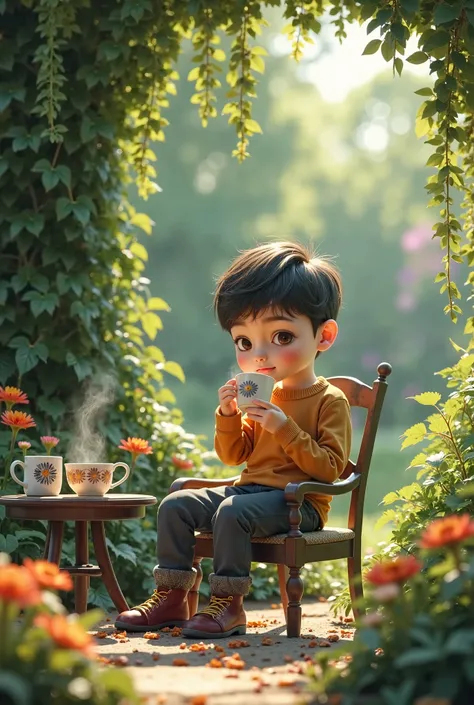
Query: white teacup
x=253 y=385
x=43 y=474
x=93 y=479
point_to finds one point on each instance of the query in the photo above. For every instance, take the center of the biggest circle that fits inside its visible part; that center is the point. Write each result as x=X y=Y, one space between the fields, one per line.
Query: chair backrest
x=371 y=399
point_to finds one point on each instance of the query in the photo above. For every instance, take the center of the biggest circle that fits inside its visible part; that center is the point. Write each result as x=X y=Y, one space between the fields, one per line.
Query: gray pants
x=233 y=514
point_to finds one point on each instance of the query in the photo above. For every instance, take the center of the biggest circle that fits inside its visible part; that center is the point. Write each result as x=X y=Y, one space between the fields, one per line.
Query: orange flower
x=18 y=585
x=181 y=462
x=396 y=571
x=48 y=575
x=17 y=420
x=13 y=395
x=446 y=531
x=136 y=446
x=66 y=633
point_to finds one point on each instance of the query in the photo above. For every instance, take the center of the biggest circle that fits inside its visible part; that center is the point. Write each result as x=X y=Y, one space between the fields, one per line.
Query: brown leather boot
x=167 y=607
x=224 y=615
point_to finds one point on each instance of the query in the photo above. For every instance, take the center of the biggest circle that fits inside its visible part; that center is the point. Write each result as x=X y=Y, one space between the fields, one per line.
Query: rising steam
x=88 y=444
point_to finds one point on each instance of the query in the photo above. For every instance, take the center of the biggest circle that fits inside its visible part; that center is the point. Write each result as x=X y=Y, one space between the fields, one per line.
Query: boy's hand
x=228 y=398
x=269 y=416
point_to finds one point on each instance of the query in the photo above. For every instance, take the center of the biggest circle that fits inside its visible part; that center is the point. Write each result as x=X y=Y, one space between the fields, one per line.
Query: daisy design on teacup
x=76 y=476
x=45 y=473
x=248 y=388
x=94 y=475
x=106 y=475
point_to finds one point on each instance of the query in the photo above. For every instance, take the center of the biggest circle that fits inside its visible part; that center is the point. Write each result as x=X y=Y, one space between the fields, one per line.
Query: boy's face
x=281 y=345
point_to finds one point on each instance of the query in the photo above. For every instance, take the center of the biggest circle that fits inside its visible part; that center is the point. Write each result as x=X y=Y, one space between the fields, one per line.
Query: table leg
x=103 y=559
x=55 y=543
x=81 y=582
x=46 y=545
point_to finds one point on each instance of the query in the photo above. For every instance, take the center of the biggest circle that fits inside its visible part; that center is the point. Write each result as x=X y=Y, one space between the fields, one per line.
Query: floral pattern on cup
x=75 y=476
x=45 y=473
x=94 y=475
x=248 y=388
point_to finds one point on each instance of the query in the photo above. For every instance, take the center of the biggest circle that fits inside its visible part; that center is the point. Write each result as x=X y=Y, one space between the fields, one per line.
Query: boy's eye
x=243 y=344
x=283 y=338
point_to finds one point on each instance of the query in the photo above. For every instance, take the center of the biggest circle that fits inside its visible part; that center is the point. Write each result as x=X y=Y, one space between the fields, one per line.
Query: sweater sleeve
x=323 y=459
x=233 y=438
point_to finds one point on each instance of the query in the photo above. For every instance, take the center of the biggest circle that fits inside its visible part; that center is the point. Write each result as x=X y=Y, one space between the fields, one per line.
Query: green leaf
x=3 y=293
x=436 y=40
x=7 y=366
x=414 y=435
x=63 y=208
x=427 y=398
x=123 y=550
x=173 y=368
x=156 y=304
x=390 y=498
x=424 y=91
x=64 y=174
x=52 y=406
x=139 y=251
x=117 y=681
x=49 y=179
x=418 y=461
x=151 y=324
x=83 y=369
x=418 y=657
x=372 y=47
x=8 y=543
x=143 y=221
x=445 y=13
x=419 y=57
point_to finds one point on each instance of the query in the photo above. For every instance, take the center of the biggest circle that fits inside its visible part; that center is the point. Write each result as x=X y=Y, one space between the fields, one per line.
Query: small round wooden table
x=81 y=510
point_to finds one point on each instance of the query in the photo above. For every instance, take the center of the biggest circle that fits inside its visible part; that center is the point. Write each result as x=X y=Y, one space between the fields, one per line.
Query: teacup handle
x=122 y=479
x=12 y=472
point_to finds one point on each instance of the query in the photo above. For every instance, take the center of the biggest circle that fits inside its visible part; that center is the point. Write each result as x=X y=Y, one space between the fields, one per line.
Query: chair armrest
x=295 y=492
x=196 y=483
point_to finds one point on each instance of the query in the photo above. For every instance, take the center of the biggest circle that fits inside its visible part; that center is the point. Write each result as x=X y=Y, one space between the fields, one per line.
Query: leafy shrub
x=445 y=468
x=47 y=657
x=417 y=639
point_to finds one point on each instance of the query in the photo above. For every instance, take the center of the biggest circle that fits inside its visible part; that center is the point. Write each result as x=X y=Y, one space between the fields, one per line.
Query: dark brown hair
x=284 y=276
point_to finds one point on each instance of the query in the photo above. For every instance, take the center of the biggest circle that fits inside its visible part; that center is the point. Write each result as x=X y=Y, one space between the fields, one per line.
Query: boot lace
x=154 y=601
x=216 y=606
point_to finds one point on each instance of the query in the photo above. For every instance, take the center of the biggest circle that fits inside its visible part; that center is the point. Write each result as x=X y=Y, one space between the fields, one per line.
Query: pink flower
x=49 y=442
x=24 y=446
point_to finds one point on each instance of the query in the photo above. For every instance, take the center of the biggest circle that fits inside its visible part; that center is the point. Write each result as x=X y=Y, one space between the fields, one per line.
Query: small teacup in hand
x=251 y=386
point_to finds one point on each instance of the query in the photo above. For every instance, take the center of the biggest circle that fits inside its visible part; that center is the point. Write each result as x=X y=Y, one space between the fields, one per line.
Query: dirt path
x=269 y=668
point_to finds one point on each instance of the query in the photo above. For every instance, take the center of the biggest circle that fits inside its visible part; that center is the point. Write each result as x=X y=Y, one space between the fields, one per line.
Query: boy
x=280 y=306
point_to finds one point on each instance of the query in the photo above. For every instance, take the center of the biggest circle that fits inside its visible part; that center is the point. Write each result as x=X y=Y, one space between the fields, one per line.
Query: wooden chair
x=292 y=550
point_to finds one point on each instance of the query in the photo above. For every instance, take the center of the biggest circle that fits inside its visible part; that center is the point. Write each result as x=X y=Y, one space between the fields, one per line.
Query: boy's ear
x=326 y=335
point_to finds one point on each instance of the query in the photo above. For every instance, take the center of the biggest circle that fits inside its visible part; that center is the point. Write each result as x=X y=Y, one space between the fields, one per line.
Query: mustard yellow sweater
x=313 y=443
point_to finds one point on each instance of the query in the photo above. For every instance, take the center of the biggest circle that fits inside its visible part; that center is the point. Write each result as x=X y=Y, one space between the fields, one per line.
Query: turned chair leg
x=193 y=594
x=356 y=589
x=294 y=588
x=283 y=573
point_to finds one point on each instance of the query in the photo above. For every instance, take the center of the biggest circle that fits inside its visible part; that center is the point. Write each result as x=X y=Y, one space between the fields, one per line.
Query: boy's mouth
x=265 y=370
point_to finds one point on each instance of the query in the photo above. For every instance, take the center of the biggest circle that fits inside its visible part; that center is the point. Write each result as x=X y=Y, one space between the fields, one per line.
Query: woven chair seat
x=329 y=534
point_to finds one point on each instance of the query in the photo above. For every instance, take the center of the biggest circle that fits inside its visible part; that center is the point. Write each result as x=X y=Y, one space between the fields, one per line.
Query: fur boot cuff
x=226 y=585
x=170 y=578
